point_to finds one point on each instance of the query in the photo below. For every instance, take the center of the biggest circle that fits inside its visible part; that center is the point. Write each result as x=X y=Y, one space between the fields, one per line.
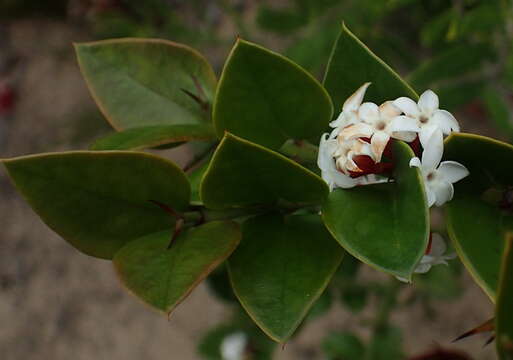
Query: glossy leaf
x=352 y=64
x=242 y=173
x=163 y=277
x=98 y=201
x=480 y=242
x=280 y=269
x=386 y=225
x=504 y=315
x=143 y=82
x=266 y=98
x=151 y=136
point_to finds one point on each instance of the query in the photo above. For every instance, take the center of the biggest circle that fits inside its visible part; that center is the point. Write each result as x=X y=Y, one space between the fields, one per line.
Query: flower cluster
x=357 y=150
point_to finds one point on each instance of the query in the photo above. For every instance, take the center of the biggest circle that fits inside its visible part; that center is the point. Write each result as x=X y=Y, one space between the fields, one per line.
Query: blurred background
x=56 y=303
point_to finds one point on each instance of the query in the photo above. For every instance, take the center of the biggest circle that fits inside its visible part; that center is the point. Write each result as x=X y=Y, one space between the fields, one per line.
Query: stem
x=380 y=323
x=202 y=215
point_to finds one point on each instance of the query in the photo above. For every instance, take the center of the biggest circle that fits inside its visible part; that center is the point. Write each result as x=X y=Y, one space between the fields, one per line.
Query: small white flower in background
x=380 y=124
x=234 y=346
x=349 y=114
x=428 y=116
x=434 y=256
x=438 y=177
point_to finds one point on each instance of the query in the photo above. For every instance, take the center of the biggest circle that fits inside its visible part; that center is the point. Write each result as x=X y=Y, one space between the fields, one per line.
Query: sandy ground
x=56 y=303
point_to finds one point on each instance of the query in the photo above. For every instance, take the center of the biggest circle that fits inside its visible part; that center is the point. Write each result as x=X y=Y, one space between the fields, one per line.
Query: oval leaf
x=352 y=64
x=504 y=315
x=242 y=173
x=141 y=82
x=151 y=136
x=98 y=201
x=163 y=277
x=480 y=196
x=387 y=225
x=281 y=268
x=266 y=98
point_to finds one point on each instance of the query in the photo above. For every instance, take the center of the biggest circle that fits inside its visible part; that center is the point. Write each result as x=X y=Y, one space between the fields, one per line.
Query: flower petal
x=422 y=268
x=326 y=150
x=404 y=136
x=428 y=103
x=404 y=123
x=369 y=113
x=426 y=132
x=430 y=196
x=340 y=121
x=415 y=162
x=388 y=110
x=379 y=142
x=356 y=131
x=354 y=101
x=407 y=106
x=452 y=171
x=445 y=121
x=343 y=181
x=433 y=151
x=444 y=191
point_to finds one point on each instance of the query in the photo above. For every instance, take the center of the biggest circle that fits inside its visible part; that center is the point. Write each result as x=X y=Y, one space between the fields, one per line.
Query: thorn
x=485 y=327
x=166 y=208
x=203 y=104
x=489 y=341
x=178 y=229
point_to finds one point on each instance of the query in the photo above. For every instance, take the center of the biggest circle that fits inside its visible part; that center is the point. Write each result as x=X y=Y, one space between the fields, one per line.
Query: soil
x=56 y=303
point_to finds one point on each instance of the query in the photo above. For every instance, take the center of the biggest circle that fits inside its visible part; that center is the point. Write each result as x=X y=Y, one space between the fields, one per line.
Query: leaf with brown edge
x=144 y=82
x=163 y=277
x=99 y=201
x=503 y=313
x=151 y=136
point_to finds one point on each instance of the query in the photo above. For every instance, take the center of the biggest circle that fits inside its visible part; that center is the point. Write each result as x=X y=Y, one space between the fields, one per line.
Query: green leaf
x=480 y=242
x=266 y=98
x=151 y=136
x=143 y=82
x=352 y=64
x=444 y=67
x=343 y=345
x=98 y=201
x=386 y=225
x=195 y=178
x=504 y=315
x=386 y=344
x=163 y=277
x=498 y=112
x=242 y=173
x=281 y=268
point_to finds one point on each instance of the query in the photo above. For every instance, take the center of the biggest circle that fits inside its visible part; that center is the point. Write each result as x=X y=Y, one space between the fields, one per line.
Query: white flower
x=380 y=124
x=427 y=114
x=326 y=162
x=438 y=177
x=434 y=256
x=349 y=114
x=233 y=346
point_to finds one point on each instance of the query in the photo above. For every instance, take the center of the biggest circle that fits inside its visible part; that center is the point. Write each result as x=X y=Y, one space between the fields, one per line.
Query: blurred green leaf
x=452 y=96
x=454 y=62
x=98 y=201
x=480 y=242
x=340 y=345
x=163 y=275
x=386 y=345
x=151 y=136
x=242 y=173
x=281 y=268
x=499 y=112
x=352 y=64
x=386 y=225
x=321 y=306
x=267 y=99
x=281 y=21
x=219 y=283
x=504 y=315
x=143 y=82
